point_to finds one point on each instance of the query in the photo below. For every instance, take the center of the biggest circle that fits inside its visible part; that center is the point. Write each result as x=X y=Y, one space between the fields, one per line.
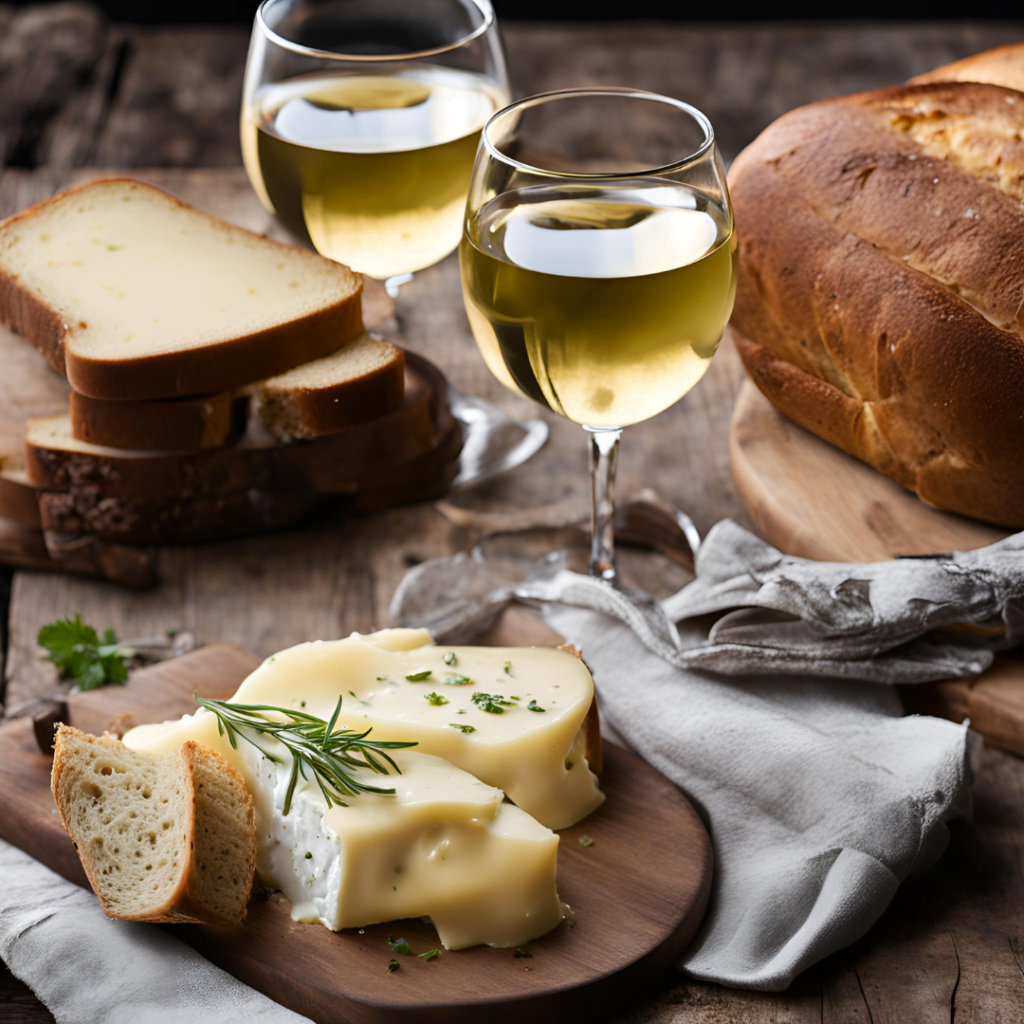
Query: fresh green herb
x=430 y=956
x=302 y=703
x=436 y=699
x=534 y=706
x=449 y=657
x=457 y=681
x=383 y=679
x=520 y=953
x=400 y=946
x=418 y=677
x=462 y=728
x=461 y=711
x=586 y=841
x=512 y=696
x=365 y=703
x=315 y=746
x=393 y=966
x=492 y=703
x=508 y=668
x=76 y=649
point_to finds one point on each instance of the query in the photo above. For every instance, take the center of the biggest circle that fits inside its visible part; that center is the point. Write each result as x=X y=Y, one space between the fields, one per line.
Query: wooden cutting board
x=810 y=499
x=637 y=894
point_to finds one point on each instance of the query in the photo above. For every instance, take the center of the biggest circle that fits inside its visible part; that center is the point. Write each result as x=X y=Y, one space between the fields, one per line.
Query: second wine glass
x=360 y=123
x=599 y=263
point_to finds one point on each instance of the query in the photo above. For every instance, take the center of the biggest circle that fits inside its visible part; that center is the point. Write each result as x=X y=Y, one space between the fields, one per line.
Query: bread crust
x=313 y=412
x=182 y=906
x=224 y=366
x=872 y=309
x=19 y=500
x=1003 y=65
x=181 y=424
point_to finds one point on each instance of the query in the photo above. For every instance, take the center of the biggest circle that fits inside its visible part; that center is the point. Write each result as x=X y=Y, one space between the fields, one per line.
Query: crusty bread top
x=118 y=282
x=1002 y=66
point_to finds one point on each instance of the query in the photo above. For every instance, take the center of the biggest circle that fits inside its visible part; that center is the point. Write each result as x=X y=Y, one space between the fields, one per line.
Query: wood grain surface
x=951 y=945
x=633 y=908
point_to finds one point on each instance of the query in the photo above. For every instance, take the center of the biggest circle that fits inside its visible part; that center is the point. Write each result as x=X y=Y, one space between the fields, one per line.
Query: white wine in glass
x=361 y=120
x=600 y=294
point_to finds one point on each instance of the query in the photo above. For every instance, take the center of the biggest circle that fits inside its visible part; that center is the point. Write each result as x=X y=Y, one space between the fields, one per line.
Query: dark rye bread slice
x=173 y=424
x=21 y=547
x=163 y=521
x=362 y=381
x=56 y=461
x=135 y=295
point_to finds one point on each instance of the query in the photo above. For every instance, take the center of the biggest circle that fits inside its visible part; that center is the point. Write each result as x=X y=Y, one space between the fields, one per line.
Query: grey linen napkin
x=756 y=689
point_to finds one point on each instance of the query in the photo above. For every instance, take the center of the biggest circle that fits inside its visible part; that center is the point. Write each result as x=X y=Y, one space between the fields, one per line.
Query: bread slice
x=19 y=500
x=162 y=837
x=55 y=460
x=175 y=424
x=134 y=295
x=163 y=521
x=362 y=381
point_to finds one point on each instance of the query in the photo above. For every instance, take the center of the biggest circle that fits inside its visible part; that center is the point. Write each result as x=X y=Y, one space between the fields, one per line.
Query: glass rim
x=640 y=94
x=483 y=6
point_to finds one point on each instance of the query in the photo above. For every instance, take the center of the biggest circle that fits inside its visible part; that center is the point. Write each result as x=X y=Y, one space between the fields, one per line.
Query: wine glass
x=360 y=123
x=598 y=263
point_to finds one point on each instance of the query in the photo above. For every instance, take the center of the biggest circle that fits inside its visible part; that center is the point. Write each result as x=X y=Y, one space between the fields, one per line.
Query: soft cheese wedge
x=445 y=846
x=528 y=739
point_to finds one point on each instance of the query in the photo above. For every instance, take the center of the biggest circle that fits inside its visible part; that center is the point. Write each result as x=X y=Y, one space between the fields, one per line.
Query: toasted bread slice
x=362 y=381
x=162 y=837
x=134 y=295
x=175 y=424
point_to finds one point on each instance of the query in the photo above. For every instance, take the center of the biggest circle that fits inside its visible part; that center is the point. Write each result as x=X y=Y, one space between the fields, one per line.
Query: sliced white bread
x=171 y=424
x=135 y=295
x=162 y=837
x=362 y=381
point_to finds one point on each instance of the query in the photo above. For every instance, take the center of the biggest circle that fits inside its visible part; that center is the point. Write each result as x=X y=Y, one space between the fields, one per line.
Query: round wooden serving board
x=637 y=893
x=810 y=499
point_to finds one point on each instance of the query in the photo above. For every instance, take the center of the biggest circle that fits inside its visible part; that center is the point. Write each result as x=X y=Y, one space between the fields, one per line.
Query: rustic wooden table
x=79 y=93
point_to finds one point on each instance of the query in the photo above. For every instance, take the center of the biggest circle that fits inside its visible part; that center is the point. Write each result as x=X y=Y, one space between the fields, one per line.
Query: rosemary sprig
x=315 y=746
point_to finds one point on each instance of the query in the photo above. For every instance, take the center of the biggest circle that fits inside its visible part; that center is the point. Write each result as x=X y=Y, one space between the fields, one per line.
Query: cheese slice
x=445 y=846
x=512 y=717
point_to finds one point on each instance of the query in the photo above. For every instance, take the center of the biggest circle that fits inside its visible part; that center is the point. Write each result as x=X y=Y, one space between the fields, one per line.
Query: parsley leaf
x=418 y=677
x=492 y=703
x=534 y=706
x=393 y=966
x=449 y=658
x=76 y=649
x=430 y=956
x=436 y=699
x=400 y=946
x=463 y=728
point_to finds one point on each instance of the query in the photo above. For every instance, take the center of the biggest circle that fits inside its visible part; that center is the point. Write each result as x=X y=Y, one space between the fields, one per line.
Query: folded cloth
x=820 y=797
x=88 y=969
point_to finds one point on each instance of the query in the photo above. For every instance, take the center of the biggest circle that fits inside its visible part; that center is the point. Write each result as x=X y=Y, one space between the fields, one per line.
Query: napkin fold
x=756 y=690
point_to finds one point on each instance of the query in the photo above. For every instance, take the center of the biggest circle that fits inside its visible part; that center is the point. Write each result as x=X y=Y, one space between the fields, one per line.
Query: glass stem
x=604 y=455
x=392 y=284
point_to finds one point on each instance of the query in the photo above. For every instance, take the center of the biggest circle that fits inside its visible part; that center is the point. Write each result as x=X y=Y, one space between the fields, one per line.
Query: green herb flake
x=398 y=869
x=383 y=679
x=449 y=658
x=302 y=703
x=436 y=699
x=76 y=649
x=431 y=955
x=586 y=841
x=309 y=856
x=534 y=706
x=508 y=668
x=393 y=966
x=462 y=728
x=492 y=703
x=520 y=953
x=114 y=248
x=457 y=680
x=419 y=677
x=568 y=766
x=400 y=946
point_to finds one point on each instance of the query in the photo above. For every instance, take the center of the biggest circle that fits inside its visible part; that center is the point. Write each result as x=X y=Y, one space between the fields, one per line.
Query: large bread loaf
x=881 y=283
